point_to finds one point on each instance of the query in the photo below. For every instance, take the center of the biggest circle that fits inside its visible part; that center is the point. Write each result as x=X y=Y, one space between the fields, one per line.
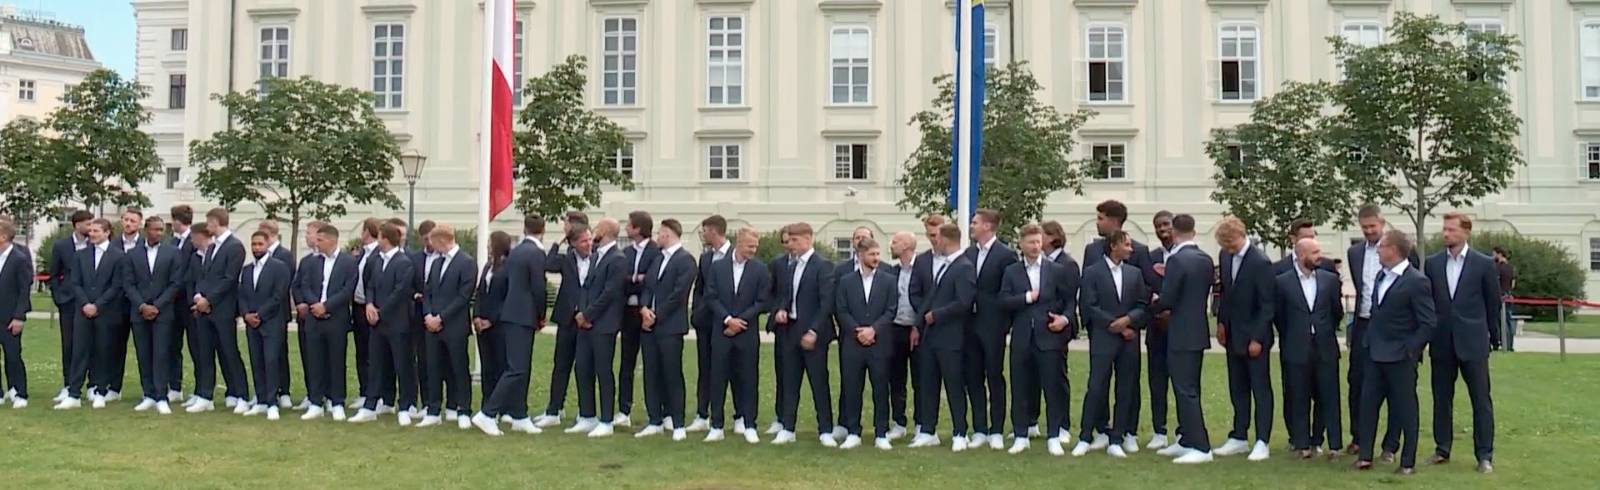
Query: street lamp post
x=411 y=163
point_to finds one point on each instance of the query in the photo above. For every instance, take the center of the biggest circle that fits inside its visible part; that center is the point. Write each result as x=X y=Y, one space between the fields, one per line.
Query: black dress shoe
x=1405 y=471
x=1486 y=467
x=1304 y=453
x=1363 y=465
x=1387 y=457
x=1439 y=459
x=1352 y=449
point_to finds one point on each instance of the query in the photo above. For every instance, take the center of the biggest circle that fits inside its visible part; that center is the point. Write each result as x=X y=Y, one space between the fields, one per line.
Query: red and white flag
x=495 y=170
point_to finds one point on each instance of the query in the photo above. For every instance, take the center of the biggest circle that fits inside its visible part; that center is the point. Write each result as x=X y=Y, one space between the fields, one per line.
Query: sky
x=108 y=24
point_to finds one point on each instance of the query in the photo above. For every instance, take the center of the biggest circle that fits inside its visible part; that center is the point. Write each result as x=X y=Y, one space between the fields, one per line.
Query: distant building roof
x=47 y=37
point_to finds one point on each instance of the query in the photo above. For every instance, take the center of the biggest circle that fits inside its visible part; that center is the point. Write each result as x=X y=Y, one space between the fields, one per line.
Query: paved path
x=1526 y=341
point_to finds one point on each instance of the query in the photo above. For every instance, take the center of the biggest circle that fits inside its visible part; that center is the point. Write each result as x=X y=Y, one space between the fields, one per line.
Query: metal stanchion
x=1561 y=322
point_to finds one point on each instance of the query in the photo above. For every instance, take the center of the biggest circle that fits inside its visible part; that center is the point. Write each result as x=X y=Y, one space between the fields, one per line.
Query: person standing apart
x=1467 y=298
x=1508 y=283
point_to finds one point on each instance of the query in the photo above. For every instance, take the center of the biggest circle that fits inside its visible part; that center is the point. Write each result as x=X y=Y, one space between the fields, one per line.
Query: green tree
x=1027 y=148
x=302 y=149
x=1425 y=116
x=30 y=181
x=562 y=149
x=97 y=138
x=1280 y=167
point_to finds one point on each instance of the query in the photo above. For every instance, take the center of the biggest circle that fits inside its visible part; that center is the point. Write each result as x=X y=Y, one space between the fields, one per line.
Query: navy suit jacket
x=1095 y=253
x=491 y=293
x=571 y=292
x=699 y=313
x=812 y=303
x=1403 y=320
x=341 y=285
x=392 y=289
x=990 y=314
x=1469 y=320
x=1030 y=323
x=666 y=293
x=1246 y=306
x=16 y=276
x=1355 y=259
x=605 y=293
x=1071 y=271
x=218 y=279
x=269 y=297
x=1295 y=320
x=950 y=300
x=187 y=264
x=1186 y=292
x=921 y=284
x=101 y=286
x=774 y=296
x=855 y=307
x=451 y=296
x=650 y=263
x=745 y=302
x=1102 y=304
x=525 y=293
x=155 y=287
x=63 y=255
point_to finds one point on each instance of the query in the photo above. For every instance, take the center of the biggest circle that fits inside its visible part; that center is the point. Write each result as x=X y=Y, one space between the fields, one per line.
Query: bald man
x=903 y=249
x=1307 y=315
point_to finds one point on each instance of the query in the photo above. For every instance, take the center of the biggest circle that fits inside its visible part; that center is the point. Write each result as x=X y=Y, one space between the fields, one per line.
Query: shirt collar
x=726 y=247
x=806 y=257
x=223 y=237
x=183 y=236
x=1180 y=245
x=985 y=246
x=103 y=246
x=865 y=272
x=1400 y=268
x=640 y=245
x=1112 y=264
x=389 y=254
x=370 y=247
x=273 y=248
x=1033 y=264
x=79 y=242
x=451 y=255
x=667 y=252
x=6 y=251
x=1301 y=270
x=1054 y=254
x=1459 y=256
x=604 y=249
x=951 y=259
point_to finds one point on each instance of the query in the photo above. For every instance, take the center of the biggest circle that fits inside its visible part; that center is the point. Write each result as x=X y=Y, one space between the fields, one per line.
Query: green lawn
x=1578 y=327
x=1545 y=420
x=42 y=303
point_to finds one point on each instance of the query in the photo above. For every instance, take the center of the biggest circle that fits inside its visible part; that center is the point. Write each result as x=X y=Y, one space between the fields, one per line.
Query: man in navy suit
x=1307 y=311
x=216 y=305
x=1039 y=294
x=130 y=239
x=1055 y=250
x=714 y=236
x=96 y=281
x=643 y=256
x=1362 y=258
x=985 y=350
x=1301 y=229
x=1244 y=327
x=564 y=311
x=1155 y=338
x=774 y=269
x=390 y=304
x=903 y=380
x=276 y=250
x=152 y=285
x=598 y=314
x=805 y=328
x=948 y=287
x=850 y=265
x=1185 y=293
x=1403 y=319
x=63 y=255
x=327 y=287
x=865 y=308
x=361 y=331
x=664 y=309
x=16 y=277
x=1114 y=305
x=302 y=306
x=516 y=317
x=737 y=291
x=1466 y=295
x=1111 y=216
x=452 y=278
x=263 y=303
x=183 y=299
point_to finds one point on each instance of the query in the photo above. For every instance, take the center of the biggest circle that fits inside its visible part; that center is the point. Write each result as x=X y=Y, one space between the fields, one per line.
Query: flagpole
x=485 y=135
x=963 y=124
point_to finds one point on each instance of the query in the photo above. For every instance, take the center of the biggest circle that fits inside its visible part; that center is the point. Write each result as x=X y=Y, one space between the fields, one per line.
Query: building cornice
x=619 y=3
x=389 y=8
x=850 y=5
x=724 y=2
x=271 y=12
x=724 y=134
x=852 y=133
x=1122 y=132
x=1379 y=3
x=1238 y=3
x=1495 y=2
x=1106 y=3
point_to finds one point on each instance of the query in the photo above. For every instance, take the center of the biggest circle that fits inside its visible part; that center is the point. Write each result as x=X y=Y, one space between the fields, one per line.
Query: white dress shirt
x=327 y=272
x=1116 y=275
x=1308 y=287
x=666 y=256
x=1238 y=259
x=1032 y=268
x=79 y=243
x=1390 y=276
x=905 y=313
x=150 y=256
x=794 y=289
x=4 y=256
x=255 y=276
x=387 y=256
x=720 y=253
x=866 y=283
x=738 y=273
x=361 y=271
x=100 y=253
x=1452 y=268
x=638 y=258
x=1055 y=254
x=983 y=251
x=583 y=268
x=445 y=264
x=217 y=244
x=1175 y=248
x=1369 y=274
x=129 y=243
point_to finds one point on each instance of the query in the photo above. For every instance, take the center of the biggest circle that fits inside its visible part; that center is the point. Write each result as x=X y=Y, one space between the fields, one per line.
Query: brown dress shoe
x=1333 y=456
x=1405 y=471
x=1363 y=465
x=1352 y=449
x=1486 y=467
x=1387 y=457
x=1304 y=453
x=1439 y=459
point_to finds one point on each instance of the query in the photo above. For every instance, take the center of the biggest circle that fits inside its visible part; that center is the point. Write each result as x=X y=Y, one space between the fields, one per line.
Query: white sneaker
x=430 y=421
x=958 y=443
x=19 y=403
x=647 y=431
x=506 y=419
x=163 y=408
x=839 y=432
x=255 y=410
x=1054 y=445
x=312 y=413
x=1033 y=431
x=201 y=405
x=191 y=401
x=774 y=428
x=384 y=408
x=680 y=434
x=1100 y=441
x=404 y=418
x=363 y=416
x=851 y=441
x=1130 y=444
x=1260 y=453
x=113 y=395
x=98 y=401
x=714 y=435
x=924 y=440
x=1018 y=446
x=976 y=441
x=1157 y=442
x=896 y=431
x=145 y=404
x=1194 y=457
x=601 y=430
x=738 y=426
x=882 y=443
x=1116 y=451
x=828 y=440
x=699 y=425
x=486 y=424
x=1081 y=449
x=450 y=415
x=305 y=404
x=622 y=420
x=464 y=422
x=1232 y=447
x=62 y=395
x=524 y=426
x=783 y=437
x=338 y=413
x=272 y=413
x=174 y=395
x=667 y=423
x=360 y=401
x=241 y=407
x=547 y=421
x=997 y=443
x=584 y=426
x=1173 y=450
x=68 y=403
x=750 y=436
x=230 y=402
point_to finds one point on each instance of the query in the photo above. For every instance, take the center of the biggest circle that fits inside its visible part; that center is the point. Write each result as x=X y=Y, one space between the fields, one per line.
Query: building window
x=620 y=75
x=180 y=39
x=725 y=61
x=622 y=160
x=1107 y=58
x=723 y=162
x=1362 y=33
x=846 y=250
x=850 y=52
x=516 y=62
x=1590 y=49
x=1235 y=154
x=27 y=90
x=388 y=65
x=1592 y=161
x=1111 y=161
x=991 y=45
x=850 y=161
x=174 y=175
x=1483 y=26
x=1239 y=48
x=177 y=87
x=1594 y=254
x=274 y=55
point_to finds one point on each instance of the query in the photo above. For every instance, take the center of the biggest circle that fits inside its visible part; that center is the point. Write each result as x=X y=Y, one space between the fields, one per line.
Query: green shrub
x=1544 y=269
x=770 y=248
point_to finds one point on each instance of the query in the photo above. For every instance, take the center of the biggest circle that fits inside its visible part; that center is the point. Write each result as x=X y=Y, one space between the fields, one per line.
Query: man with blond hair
x=1466 y=292
x=1245 y=331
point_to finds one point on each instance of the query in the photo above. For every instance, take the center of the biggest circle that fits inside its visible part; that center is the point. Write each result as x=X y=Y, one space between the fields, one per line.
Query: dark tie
x=1377 y=285
x=437 y=273
x=939 y=274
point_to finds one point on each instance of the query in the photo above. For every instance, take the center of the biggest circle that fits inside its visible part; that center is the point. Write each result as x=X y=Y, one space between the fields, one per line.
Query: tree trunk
x=1419 y=217
x=294 y=233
